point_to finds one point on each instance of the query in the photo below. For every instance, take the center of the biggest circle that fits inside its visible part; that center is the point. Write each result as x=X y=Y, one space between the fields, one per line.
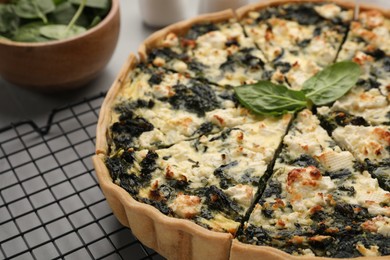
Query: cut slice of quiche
x=211 y=180
x=214 y=49
x=365 y=45
x=316 y=202
x=371 y=147
x=157 y=108
x=299 y=39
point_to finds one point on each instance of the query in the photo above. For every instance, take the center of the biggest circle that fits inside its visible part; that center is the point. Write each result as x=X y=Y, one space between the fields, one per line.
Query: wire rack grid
x=51 y=206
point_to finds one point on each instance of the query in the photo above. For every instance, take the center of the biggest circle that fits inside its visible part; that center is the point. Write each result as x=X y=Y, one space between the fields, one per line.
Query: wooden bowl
x=64 y=64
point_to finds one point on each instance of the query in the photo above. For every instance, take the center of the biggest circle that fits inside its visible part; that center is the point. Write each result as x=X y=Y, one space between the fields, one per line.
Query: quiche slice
x=371 y=146
x=157 y=108
x=212 y=47
x=366 y=45
x=211 y=180
x=316 y=202
x=298 y=39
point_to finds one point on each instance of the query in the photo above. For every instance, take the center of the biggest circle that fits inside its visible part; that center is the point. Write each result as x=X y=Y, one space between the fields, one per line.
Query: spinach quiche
x=197 y=174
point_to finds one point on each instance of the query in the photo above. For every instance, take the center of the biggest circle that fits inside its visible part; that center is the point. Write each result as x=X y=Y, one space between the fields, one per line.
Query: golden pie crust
x=171 y=237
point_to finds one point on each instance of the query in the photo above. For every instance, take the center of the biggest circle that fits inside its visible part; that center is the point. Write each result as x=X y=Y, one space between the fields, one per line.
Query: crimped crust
x=241 y=12
x=248 y=252
x=177 y=238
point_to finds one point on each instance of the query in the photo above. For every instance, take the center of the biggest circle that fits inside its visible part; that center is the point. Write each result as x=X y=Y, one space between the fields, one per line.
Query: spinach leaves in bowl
x=48 y=20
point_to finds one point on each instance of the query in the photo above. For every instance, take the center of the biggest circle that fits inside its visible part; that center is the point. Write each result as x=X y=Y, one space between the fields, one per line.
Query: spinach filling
x=129 y=127
x=242 y=58
x=380 y=171
x=166 y=54
x=304 y=161
x=198 y=99
x=119 y=167
x=368 y=84
x=217 y=200
x=340 y=118
x=303 y=14
x=200 y=29
x=225 y=180
x=345 y=223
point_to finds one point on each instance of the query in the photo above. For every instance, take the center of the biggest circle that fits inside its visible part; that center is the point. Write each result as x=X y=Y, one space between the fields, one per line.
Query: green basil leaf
x=60 y=31
x=101 y=4
x=31 y=9
x=30 y=33
x=331 y=83
x=266 y=98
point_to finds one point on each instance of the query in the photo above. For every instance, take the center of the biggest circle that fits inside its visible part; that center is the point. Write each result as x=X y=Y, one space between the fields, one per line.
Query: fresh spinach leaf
x=96 y=20
x=60 y=31
x=18 y=19
x=101 y=4
x=9 y=21
x=64 y=13
x=266 y=98
x=331 y=83
x=31 y=9
x=30 y=33
x=58 y=2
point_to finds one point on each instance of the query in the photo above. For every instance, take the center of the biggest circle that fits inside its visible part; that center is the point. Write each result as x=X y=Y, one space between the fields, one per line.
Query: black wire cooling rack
x=51 y=206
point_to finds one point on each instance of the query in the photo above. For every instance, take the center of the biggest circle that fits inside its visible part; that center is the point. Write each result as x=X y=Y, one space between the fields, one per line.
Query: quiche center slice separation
x=196 y=175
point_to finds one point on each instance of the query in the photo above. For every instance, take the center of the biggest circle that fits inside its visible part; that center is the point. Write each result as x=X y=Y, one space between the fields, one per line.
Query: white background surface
x=20 y=104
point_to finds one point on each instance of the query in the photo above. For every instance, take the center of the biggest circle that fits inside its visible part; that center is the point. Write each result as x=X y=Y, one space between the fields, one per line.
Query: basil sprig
x=266 y=98
x=328 y=85
x=331 y=83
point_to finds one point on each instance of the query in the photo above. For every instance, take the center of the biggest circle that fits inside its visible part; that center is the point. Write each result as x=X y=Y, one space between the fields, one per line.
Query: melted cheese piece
x=315 y=140
x=306 y=188
x=379 y=225
x=372 y=251
x=231 y=117
x=368 y=194
x=374 y=28
x=371 y=105
x=301 y=70
x=365 y=142
x=186 y=206
x=243 y=194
